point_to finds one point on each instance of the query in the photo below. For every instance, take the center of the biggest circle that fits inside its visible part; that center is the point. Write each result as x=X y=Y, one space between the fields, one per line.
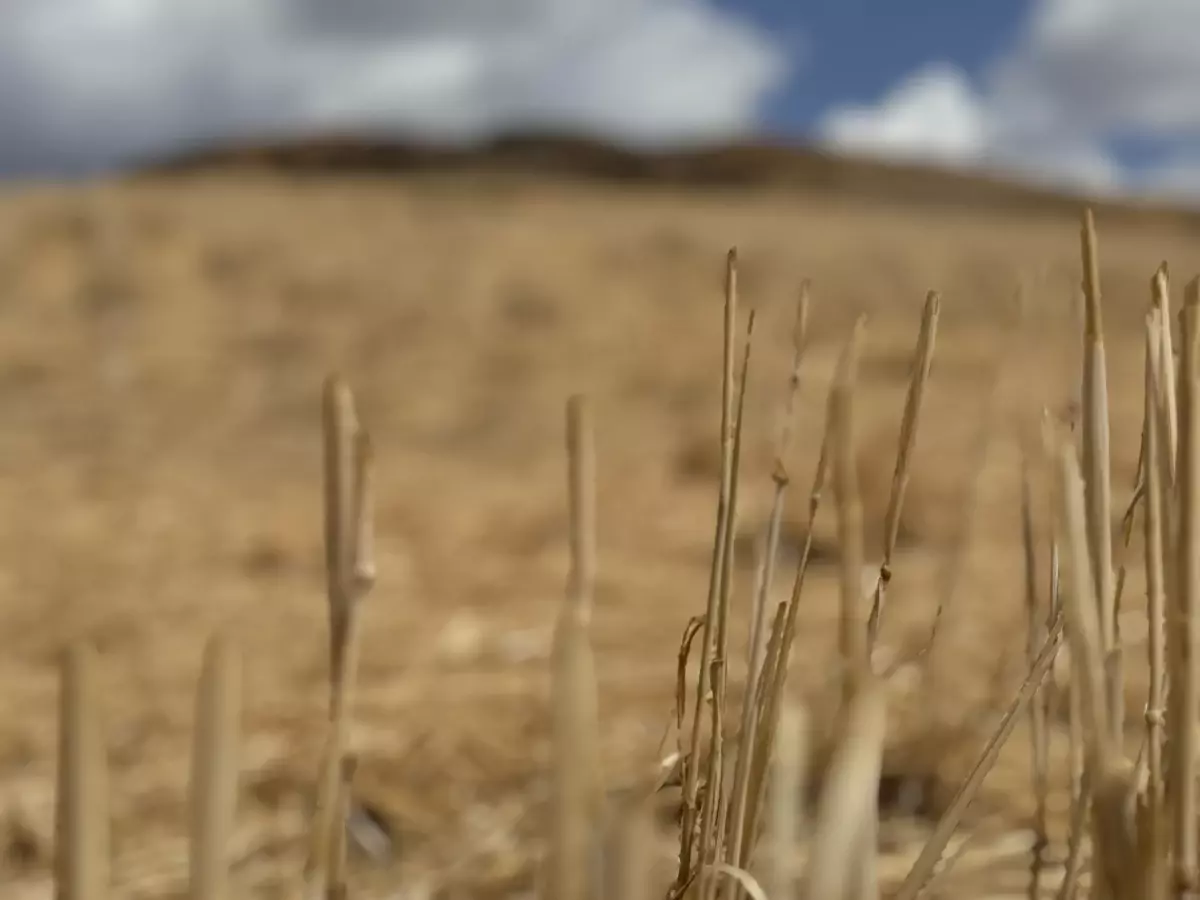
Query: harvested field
x=162 y=349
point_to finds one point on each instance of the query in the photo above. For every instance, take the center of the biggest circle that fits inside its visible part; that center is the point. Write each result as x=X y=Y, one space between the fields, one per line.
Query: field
x=162 y=348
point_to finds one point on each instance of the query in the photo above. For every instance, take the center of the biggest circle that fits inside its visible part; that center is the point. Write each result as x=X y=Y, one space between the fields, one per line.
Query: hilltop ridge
x=745 y=165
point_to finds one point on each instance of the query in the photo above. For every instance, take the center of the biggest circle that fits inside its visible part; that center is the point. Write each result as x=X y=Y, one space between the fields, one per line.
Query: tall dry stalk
x=1184 y=671
x=1166 y=397
x=1077 y=786
x=577 y=787
x=931 y=853
x=691 y=760
x=350 y=575
x=1082 y=614
x=855 y=656
x=842 y=857
x=775 y=672
x=1080 y=793
x=1155 y=535
x=1098 y=489
x=1125 y=864
x=781 y=480
x=581 y=498
x=922 y=361
x=214 y=778
x=791 y=758
x=629 y=871
x=1096 y=469
x=81 y=825
x=744 y=807
x=1039 y=725
x=763 y=751
x=717 y=795
x=339 y=859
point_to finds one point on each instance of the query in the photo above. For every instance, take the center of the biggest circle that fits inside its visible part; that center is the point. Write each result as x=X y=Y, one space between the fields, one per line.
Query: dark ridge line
x=748 y=165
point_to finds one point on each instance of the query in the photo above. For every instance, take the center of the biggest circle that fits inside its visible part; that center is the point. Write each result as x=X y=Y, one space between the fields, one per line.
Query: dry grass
x=454 y=775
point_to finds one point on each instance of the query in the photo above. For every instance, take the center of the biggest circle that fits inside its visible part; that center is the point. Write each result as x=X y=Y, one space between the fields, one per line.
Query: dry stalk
x=577 y=782
x=81 y=825
x=791 y=758
x=214 y=779
x=1182 y=634
x=766 y=739
x=1081 y=792
x=776 y=675
x=922 y=360
x=714 y=798
x=713 y=827
x=1096 y=468
x=1165 y=398
x=581 y=490
x=336 y=886
x=923 y=869
x=1161 y=530
x=1154 y=540
x=781 y=479
x=744 y=808
x=1053 y=438
x=1121 y=867
x=691 y=760
x=1038 y=718
x=855 y=662
x=771 y=687
x=843 y=849
x=629 y=869
x=1111 y=828
x=350 y=574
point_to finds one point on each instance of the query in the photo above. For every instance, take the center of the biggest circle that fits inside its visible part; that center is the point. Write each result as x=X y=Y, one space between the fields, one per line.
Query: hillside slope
x=162 y=344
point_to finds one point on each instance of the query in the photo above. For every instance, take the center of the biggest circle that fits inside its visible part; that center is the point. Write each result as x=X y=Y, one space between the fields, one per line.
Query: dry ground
x=161 y=351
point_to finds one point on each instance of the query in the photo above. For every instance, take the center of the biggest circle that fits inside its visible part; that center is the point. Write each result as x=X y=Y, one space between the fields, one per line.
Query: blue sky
x=1100 y=94
x=842 y=55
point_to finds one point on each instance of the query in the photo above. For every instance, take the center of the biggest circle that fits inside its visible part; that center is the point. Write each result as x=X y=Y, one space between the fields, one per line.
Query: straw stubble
x=574 y=869
x=691 y=809
x=922 y=363
x=350 y=575
x=81 y=819
x=1184 y=694
x=1096 y=468
x=214 y=779
x=745 y=807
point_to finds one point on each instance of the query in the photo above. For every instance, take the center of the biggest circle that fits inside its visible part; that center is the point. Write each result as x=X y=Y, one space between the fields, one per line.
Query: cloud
x=1105 y=67
x=87 y=83
x=1083 y=77
x=934 y=113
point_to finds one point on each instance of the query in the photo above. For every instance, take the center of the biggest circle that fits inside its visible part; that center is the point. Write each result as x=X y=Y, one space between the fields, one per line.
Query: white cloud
x=92 y=81
x=1082 y=75
x=1107 y=66
x=934 y=113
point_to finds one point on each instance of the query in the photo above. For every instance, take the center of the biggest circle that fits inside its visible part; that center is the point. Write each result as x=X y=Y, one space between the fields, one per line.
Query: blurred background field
x=164 y=341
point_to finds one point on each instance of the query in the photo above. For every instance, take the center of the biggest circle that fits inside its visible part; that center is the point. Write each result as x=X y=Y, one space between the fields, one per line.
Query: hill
x=762 y=166
x=163 y=340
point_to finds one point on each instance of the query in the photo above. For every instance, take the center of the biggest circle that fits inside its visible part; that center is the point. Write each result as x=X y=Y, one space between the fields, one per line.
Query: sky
x=1095 y=94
